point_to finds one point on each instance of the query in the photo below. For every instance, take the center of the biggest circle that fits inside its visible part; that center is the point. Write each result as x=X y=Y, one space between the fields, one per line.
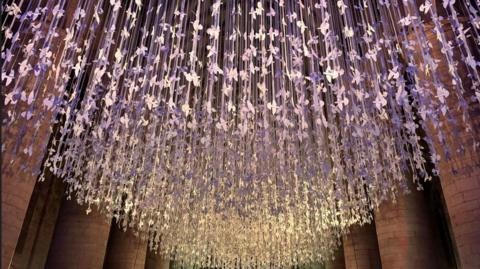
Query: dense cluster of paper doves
x=238 y=133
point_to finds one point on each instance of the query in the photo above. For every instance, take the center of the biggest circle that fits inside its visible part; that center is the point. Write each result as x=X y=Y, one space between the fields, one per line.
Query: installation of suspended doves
x=238 y=133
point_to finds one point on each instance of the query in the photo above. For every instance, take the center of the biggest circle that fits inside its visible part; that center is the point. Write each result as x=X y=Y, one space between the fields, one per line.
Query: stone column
x=80 y=240
x=155 y=261
x=125 y=250
x=39 y=224
x=460 y=176
x=20 y=167
x=405 y=234
x=338 y=262
x=360 y=248
x=16 y=190
x=18 y=179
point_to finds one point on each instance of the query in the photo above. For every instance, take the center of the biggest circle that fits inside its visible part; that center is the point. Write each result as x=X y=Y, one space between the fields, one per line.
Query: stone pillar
x=155 y=261
x=460 y=176
x=18 y=179
x=405 y=234
x=360 y=248
x=19 y=166
x=80 y=240
x=338 y=262
x=16 y=190
x=39 y=224
x=125 y=250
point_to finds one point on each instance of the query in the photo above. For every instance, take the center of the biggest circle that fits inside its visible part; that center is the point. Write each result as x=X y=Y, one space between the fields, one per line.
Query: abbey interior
x=333 y=134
